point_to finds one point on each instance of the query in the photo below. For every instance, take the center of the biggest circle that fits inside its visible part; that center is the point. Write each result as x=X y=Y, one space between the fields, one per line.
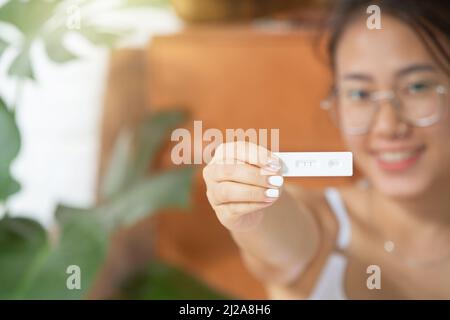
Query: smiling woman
x=389 y=139
x=390 y=100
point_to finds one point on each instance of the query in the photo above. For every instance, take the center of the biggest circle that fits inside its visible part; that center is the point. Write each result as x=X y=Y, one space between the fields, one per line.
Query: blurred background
x=90 y=92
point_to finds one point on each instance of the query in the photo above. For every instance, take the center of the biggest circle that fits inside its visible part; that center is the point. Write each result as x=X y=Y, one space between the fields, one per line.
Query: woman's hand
x=242 y=179
x=243 y=183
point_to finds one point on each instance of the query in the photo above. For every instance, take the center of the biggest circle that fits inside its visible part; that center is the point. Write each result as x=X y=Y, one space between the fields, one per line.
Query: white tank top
x=330 y=285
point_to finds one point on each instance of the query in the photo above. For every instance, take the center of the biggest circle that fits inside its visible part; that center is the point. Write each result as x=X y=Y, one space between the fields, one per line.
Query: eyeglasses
x=420 y=104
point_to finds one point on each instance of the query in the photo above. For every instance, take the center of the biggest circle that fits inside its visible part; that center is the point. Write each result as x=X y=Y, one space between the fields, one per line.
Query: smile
x=398 y=160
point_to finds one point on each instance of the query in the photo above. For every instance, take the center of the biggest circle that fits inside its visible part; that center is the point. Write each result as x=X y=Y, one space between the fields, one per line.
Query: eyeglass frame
x=380 y=95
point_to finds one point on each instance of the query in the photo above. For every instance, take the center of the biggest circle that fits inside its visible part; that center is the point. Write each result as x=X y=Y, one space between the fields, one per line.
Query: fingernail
x=272 y=193
x=273 y=165
x=276 y=181
x=266 y=172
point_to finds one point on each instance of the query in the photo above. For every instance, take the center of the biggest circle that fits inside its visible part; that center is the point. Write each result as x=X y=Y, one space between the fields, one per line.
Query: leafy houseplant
x=35 y=268
x=34 y=264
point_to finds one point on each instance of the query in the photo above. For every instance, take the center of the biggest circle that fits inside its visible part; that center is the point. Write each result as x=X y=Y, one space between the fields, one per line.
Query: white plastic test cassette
x=316 y=164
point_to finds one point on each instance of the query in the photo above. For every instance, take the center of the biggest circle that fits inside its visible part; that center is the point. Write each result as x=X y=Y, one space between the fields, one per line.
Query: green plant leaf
x=27 y=16
x=3 y=46
x=10 y=142
x=85 y=234
x=98 y=36
x=83 y=237
x=151 y=137
x=83 y=243
x=8 y=186
x=21 y=66
x=160 y=281
x=9 y=136
x=128 y=162
x=55 y=47
x=22 y=243
x=116 y=176
x=64 y=214
x=167 y=189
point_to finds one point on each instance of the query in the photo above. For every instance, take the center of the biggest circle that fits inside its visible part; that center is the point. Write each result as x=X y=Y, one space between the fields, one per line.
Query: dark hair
x=428 y=18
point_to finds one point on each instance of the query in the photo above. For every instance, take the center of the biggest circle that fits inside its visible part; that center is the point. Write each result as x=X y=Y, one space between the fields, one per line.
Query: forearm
x=283 y=242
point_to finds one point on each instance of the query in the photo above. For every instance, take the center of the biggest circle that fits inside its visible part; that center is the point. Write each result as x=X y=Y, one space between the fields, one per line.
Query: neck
x=418 y=222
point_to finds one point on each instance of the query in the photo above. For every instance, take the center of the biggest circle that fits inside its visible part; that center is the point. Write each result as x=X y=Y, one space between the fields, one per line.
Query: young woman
x=390 y=237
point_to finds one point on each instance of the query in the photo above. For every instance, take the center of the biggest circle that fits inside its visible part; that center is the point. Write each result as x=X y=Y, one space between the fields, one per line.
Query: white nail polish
x=272 y=193
x=273 y=165
x=276 y=181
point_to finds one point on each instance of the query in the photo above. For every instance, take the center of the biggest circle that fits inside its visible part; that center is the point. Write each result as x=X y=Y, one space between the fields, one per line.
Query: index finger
x=251 y=153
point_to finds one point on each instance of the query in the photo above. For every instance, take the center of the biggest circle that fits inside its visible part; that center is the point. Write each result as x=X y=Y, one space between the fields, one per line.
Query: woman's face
x=400 y=160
